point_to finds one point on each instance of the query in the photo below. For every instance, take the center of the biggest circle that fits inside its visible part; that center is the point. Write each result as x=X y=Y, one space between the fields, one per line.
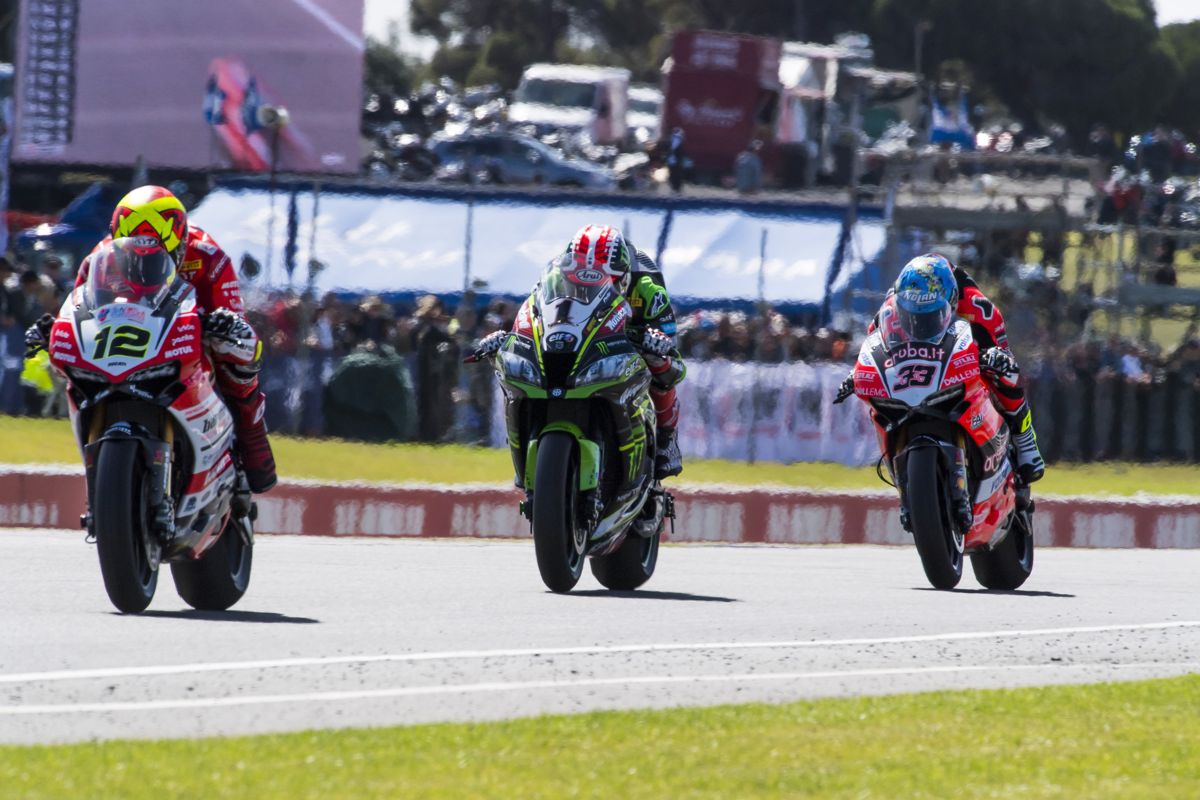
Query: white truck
x=571 y=97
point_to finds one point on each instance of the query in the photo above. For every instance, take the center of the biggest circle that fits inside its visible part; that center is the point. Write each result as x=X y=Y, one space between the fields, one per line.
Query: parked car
x=497 y=157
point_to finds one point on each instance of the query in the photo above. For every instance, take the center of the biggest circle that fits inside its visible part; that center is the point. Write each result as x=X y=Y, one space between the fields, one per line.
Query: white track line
x=449 y=655
x=513 y=686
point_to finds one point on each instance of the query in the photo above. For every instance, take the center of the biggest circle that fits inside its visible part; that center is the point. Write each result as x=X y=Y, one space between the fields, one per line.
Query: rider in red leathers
x=998 y=367
x=151 y=211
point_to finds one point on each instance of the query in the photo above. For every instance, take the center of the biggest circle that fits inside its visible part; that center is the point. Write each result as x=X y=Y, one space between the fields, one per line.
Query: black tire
x=558 y=542
x=939 y=547
x=631 y=565
x=119 y=519
x=220 y=577
x=1010 y=564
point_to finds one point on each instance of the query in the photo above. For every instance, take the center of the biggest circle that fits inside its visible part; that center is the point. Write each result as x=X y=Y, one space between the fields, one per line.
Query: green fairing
x=589 y=455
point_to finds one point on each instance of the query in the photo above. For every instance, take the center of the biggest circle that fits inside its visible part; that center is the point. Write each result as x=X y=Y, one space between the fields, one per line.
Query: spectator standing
x=748 y=169
x=676 y=160
x=437 y=368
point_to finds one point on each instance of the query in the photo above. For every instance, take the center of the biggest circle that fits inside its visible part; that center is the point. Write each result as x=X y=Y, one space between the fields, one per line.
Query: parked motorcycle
x=163 y=483
x=581 y=428
x=948 y=451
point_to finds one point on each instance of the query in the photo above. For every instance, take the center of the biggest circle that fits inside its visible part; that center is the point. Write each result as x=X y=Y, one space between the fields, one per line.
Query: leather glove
x=1000 y=365
x=223 y=325
x=488 y=346
x=37 y=335
x=656 y=342
x=845 y=390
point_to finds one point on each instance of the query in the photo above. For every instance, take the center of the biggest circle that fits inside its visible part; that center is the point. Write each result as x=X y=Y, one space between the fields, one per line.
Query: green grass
x=40 y=441
x=1131 y=740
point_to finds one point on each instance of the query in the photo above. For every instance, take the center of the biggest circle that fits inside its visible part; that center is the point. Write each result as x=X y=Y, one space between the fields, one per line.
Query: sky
x=1176 y=11
x=379 y=13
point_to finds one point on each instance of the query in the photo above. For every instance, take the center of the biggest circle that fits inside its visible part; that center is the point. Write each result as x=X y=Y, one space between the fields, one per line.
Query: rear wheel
x=940 y=547
x=631 y=565
x=220 y=577
x=558 y=539
x=1009 y=565
x=119 y=519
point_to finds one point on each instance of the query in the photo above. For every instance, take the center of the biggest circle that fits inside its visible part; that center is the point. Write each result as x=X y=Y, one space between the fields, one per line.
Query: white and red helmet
x=603 y=247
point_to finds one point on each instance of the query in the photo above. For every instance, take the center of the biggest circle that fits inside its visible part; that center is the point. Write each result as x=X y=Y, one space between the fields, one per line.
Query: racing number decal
x=913 y=375
x=129 y=341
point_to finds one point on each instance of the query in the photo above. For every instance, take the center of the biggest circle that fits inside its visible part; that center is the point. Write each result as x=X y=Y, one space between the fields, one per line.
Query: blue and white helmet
x=926 y=296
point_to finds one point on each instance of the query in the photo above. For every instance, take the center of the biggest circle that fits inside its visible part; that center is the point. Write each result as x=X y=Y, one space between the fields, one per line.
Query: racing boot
x=257 y=460
x=668 y=460
x=1030 y=466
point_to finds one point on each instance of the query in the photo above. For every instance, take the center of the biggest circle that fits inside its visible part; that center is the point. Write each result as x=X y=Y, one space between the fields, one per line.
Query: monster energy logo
x=602 y=347
x=637 y=451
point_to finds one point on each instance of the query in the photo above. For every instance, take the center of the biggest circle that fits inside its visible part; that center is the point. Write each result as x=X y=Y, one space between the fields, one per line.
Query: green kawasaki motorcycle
x=581 y=428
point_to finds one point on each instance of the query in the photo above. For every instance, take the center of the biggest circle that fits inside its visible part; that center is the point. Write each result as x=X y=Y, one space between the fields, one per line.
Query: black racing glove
x=224 y=325
x=657 y=343
x=487 y=346
x=37 y=335
x=1000 y=365
x=846 y=389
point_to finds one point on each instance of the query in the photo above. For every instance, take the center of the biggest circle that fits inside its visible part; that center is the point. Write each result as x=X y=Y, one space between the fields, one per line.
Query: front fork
x=954 y=460
x=157 y=456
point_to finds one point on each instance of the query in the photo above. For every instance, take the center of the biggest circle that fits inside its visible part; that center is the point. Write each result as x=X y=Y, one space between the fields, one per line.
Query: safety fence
x=54 y=498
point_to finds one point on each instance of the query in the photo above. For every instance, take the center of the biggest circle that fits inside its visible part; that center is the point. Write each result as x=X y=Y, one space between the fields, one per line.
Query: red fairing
x=963 y=367
x=64 y=348
x=524 y=322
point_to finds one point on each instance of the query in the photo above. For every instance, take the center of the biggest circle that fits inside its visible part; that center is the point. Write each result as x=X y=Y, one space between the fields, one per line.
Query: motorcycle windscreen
x=568 y=298
x=133 y=270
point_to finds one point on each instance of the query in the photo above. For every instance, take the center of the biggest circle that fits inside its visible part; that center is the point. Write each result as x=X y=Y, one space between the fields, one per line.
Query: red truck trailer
x=722 y=90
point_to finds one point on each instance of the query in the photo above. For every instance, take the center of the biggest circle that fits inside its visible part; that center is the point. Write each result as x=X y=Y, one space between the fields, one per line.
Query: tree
x=1076 y=62
x=1183 y=40
x=386 y=72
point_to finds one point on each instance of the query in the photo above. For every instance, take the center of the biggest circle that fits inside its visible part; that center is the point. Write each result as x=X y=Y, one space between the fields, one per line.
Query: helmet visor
x=566 y=278
x=129 y=270
x=925 y=322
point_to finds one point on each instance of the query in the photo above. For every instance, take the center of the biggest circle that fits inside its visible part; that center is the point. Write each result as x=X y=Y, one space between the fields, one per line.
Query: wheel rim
x=955 y=541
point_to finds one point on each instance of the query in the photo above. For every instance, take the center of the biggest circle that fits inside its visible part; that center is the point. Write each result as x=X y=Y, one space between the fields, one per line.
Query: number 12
x=127 y=340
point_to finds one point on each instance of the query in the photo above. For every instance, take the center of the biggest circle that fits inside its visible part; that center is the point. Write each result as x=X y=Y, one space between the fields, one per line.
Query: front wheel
x=938 y=544
x=558 y=539
x=119 y=516
x=1009 y=565
x=220 y=577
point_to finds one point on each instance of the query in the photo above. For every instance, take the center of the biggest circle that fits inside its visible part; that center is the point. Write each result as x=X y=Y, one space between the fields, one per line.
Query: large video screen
x=190 y=84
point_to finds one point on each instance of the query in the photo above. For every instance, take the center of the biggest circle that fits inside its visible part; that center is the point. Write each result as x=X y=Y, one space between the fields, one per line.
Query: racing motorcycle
x=156 y=437
x=581 y=429
x=948 y=451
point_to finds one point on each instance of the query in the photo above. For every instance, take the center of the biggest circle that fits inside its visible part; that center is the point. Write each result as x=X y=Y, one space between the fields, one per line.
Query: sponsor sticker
x=191 y=265
x=617 y=320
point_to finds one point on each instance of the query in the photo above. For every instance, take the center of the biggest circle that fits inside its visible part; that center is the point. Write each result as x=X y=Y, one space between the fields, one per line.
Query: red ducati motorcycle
x=948 y=451
x=156 y=437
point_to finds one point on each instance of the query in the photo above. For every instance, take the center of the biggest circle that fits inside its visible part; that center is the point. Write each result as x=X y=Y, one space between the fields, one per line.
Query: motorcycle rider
x=154 y=212
x=930 y=286
x=637 y=277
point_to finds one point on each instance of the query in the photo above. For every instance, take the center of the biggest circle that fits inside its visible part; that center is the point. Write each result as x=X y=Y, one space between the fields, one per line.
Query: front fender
x=589 y=455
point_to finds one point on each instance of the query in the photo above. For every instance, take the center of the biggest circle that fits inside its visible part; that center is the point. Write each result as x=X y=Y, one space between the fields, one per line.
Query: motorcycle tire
x=940 y=549
x=557 y=540
x=630 y=565
x=119 y=522
x=1010 y=564
x=220 y=577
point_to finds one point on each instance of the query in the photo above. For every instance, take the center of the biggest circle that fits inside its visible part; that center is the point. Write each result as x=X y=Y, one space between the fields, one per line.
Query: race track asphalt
x=360 y=632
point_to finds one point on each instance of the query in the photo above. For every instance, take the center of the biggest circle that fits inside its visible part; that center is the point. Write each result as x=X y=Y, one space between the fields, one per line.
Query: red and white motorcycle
x=155 y=435
x=948 y=451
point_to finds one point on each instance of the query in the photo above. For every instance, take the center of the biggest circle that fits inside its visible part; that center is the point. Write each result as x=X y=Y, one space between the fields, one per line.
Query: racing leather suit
x=647 y=294
x=238 y=360
x=987 y=327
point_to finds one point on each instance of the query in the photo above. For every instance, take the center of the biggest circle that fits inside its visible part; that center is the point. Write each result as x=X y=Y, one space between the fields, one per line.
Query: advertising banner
x=190 y=85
